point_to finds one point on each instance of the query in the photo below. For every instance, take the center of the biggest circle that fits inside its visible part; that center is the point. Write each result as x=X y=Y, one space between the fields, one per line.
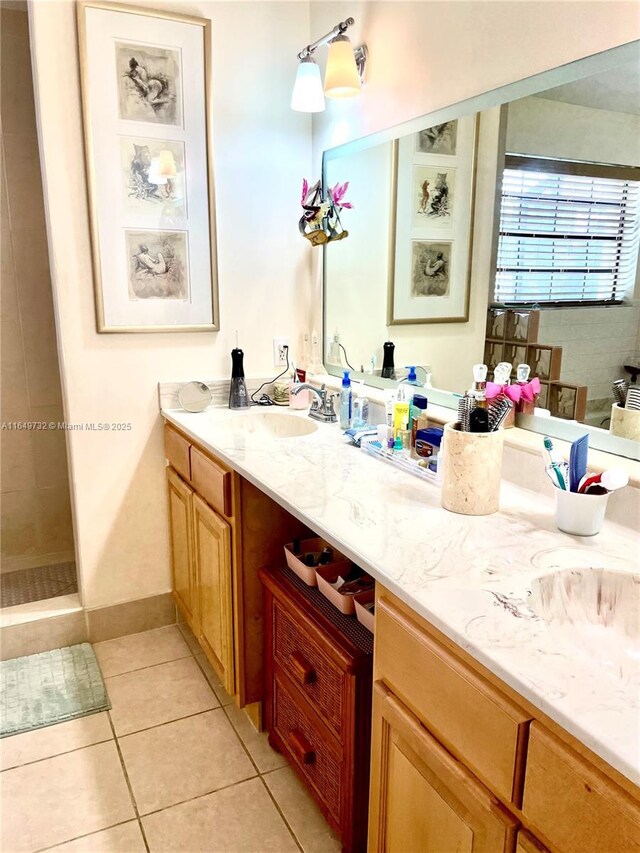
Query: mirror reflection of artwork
x=158 y=267
x=439 y=139
x=149 y=87
x=431 y=268
x=153 y=176
x=433 y=196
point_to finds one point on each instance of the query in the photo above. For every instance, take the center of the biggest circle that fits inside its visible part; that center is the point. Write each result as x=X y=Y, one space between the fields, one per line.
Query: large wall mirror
x=503 y=229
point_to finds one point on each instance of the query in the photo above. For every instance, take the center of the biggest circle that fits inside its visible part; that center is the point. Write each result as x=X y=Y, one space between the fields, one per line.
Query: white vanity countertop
x=468 y=576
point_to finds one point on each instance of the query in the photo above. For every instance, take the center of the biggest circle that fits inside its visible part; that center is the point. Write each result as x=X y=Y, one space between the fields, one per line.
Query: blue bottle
x=345 y=402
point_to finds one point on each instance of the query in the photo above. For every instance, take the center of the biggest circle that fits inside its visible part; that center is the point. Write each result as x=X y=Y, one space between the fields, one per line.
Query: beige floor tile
x=241 y=819
x=189 y=638
x=185 y=759
x=264 y=756
x=54 y=740
x=139 y=650
x=126 y=838
x=301 y=812
x=158 y=694
x=214 y=681
x=61 y=798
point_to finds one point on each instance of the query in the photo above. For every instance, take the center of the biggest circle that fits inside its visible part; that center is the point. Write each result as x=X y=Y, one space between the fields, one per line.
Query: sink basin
x=589 y=597
x=273 y=424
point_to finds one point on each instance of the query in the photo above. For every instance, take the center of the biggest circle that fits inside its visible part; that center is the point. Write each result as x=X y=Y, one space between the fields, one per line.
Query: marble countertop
x=469 y=576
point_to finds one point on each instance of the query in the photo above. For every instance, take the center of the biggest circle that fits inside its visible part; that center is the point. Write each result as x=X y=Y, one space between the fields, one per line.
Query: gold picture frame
x=463 y=317
x=209 y=297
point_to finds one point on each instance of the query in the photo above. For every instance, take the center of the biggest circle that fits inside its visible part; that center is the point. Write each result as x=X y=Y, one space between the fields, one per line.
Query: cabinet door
x=181 y=534
x=212 y=541
x=422 y=799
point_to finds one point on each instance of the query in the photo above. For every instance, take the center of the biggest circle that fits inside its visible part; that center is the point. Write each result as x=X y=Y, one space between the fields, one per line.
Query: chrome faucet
x=322 y=407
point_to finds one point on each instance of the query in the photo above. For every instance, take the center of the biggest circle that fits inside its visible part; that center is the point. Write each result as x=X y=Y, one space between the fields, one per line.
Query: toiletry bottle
x=479 y=389
x=418 y=415
x=400 y=416
x=479 y=417
x=502 y=377
x=389 y=401
x=524 y=407
x=360 y=408
x=345 y=402
x=238 y=397
x=388 y=366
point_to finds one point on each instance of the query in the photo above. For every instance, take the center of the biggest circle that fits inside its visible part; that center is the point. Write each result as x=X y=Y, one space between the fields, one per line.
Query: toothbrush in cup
x=556 y=468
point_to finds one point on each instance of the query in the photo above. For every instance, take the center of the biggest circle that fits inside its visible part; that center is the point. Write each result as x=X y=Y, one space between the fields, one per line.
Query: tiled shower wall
x=597 y=343
x=35 y=506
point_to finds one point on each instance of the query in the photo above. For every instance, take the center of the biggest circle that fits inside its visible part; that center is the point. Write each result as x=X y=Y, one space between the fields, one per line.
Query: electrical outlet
x=279 y=353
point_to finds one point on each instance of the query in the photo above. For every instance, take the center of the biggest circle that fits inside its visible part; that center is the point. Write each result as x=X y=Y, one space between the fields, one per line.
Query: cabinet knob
x=301 y=747
x=302 y=669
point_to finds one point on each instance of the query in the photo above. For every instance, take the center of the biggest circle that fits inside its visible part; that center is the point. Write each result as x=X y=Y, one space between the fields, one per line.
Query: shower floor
x=37 y=584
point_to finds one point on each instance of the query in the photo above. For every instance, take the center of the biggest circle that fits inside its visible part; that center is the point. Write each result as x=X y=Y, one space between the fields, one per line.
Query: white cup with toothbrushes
x=581 y=498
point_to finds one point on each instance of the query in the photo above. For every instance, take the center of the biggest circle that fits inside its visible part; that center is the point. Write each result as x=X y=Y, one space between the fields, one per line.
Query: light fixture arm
x=338 y=30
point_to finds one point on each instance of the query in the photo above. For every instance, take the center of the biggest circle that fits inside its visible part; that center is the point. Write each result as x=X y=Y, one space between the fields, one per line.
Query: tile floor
x=174 y=767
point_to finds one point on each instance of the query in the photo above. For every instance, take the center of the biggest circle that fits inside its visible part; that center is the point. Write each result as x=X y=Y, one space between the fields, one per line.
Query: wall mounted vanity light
x=343 y=77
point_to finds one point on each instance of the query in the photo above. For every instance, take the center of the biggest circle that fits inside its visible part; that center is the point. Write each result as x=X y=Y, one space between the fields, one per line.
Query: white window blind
x=566 y=237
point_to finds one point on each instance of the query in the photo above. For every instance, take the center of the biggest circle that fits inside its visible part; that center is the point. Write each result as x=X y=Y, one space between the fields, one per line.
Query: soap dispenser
x=406 y=385
x=345 y=402
x=238 y=397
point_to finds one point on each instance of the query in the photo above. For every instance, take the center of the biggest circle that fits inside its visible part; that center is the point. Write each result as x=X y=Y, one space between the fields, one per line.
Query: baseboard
x=132 y=617
x=42 y=633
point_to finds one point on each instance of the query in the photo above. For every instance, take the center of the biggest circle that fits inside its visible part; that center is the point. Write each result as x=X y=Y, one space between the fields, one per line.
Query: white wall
x=262 y=151
x=541 y=127
x=596 y=343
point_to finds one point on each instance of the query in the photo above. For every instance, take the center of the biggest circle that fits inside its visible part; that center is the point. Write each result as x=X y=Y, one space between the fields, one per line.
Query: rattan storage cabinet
x=318 y=667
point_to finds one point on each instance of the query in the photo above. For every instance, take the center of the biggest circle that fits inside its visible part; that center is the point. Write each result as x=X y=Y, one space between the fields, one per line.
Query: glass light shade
x=155 y=175
x=167 y=165
x=307 y=94
x=341 y=79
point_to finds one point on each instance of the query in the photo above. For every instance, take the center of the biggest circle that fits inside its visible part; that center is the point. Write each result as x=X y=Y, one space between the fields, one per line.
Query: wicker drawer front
x=308 y=748
x=303 y=661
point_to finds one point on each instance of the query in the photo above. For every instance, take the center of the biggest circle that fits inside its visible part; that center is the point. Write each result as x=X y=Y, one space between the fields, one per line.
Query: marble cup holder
x=579 y=514
x=625 y=423
x=472 y=470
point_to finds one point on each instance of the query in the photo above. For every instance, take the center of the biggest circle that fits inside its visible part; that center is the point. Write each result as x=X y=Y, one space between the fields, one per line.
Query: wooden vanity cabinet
x=460 y=762
x=181 y=545
x=213 y=578
x=222 y=530
x=422 y=799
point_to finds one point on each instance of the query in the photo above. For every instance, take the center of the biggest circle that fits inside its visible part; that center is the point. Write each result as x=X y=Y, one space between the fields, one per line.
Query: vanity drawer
x=308 y=748
x=308 y=667
x=572 y=804
x=176 y=449
x=473 y=720
x=211 y=481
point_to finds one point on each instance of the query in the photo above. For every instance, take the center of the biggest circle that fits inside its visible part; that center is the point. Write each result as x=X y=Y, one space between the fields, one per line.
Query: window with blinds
x=569 y=232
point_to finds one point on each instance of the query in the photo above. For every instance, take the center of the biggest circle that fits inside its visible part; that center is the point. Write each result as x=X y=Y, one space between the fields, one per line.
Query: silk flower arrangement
x=320 y=223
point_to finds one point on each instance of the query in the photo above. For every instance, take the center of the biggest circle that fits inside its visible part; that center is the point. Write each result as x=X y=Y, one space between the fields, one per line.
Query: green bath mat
x=51 y=687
